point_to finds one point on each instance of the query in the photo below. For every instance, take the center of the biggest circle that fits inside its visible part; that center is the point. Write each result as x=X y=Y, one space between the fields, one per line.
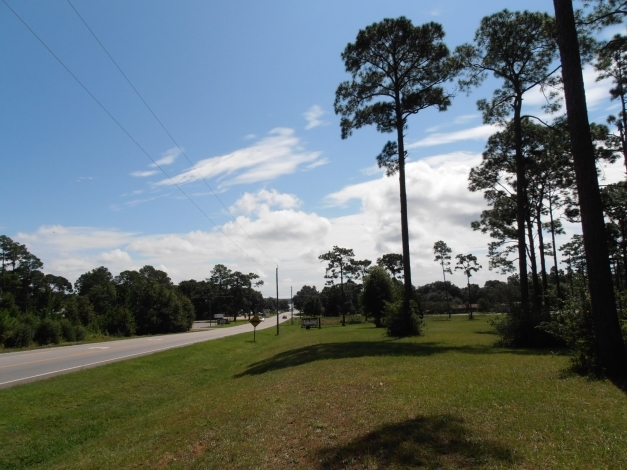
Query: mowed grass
x=339 y=397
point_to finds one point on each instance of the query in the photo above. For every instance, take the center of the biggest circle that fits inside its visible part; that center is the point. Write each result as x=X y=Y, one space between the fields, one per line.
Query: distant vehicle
x=284 y=317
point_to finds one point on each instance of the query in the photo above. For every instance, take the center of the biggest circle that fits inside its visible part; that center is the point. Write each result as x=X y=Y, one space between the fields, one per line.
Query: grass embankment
x=331 y=398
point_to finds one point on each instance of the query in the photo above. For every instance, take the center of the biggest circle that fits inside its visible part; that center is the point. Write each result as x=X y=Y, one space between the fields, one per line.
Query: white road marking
x=154 y=339
x=99 y=347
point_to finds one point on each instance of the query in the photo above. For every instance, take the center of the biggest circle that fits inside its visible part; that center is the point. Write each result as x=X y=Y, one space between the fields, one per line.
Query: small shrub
x=354 y=320
x=48 y=332
x=80 y=332
x=398 y=324
x=573 y=324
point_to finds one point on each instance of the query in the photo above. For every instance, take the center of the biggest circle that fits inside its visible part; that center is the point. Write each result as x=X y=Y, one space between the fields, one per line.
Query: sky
x=244 y=163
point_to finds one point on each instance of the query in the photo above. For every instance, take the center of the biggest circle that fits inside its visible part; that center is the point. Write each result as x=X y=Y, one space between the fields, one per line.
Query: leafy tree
x=378 y=289
x=520 y=49
x=301 y=296
x=397 y=69
x=393 y=262
x=339 y=262
x=443 y=256
x=468 y=264
x=98 y=286
x=609 y=344
x=332 y=300
x=312 y=306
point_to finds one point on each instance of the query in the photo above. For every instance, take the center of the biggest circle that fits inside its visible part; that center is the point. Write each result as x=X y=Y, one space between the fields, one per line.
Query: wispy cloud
x=168 y=157
x=144 y=174
x=474 y=133
x=280 y=153
x=80 y=179
x=317 y=163
x=313 y=115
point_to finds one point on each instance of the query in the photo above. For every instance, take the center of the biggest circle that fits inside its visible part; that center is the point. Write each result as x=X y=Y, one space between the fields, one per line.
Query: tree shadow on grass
x=439 y=441
x=354 y=349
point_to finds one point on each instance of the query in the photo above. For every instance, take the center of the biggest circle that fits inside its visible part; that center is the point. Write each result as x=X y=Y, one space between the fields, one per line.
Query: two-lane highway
x=27 y=366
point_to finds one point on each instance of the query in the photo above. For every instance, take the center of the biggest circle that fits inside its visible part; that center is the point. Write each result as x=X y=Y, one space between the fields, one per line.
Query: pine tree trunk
x=404 y=222
x=557 y=273
x=520 y=214
x=610 y=349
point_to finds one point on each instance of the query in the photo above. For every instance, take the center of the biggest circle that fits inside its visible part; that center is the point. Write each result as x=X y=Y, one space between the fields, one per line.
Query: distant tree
x=360 y=268
x=312 y=306
x=468 y=264
x=339 y=262
x=609 y=344
x=301 y=296
x=378 y=289
x=99 y=287
x=403 y=67
x=393 y=262
x=443 y=256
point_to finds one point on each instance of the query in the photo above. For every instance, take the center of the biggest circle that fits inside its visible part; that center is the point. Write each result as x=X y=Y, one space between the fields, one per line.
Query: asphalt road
x=28 y=366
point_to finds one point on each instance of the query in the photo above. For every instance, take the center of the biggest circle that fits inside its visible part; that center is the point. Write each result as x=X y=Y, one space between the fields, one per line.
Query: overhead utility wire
x=166 y=131
x=128 y=134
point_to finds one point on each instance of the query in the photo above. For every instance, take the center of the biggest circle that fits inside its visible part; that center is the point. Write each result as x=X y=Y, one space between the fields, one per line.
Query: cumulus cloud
x=263 y=200
x=280 y=153
x=439 y=204
x=312 y=116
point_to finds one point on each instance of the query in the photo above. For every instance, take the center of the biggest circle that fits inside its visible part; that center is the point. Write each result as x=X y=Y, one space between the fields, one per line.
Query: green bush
x=21 y=336
x=68 y=331
x=398 y=323
x=80 y=332
x=48 y=332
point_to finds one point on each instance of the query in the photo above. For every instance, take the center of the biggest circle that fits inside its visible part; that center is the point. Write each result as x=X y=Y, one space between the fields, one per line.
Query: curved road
x=28 y=366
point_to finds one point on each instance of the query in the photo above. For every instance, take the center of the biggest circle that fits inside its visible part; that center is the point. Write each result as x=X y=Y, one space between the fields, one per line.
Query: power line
x=128 y=134
x=166 y=131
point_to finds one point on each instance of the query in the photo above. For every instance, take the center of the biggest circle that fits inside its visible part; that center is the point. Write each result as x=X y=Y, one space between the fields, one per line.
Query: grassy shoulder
x=338 y=397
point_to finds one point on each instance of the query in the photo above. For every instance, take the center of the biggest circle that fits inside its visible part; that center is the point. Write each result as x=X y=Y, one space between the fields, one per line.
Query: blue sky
x=246 y=89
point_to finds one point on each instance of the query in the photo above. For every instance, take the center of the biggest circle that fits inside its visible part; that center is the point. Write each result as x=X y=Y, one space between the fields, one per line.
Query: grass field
x=339 y=397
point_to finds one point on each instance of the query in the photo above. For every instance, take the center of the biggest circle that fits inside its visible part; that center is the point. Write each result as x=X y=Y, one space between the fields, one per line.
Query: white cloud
x=263 y=200
x=317 y=163
x=278 y=154
x=168 y=157
x=115 y=256
x=312 y=116
x=474 y=133
x=144 y=174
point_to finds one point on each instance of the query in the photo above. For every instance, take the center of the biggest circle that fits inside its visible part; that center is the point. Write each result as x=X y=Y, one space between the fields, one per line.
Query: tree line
x=534 y=174
x=44 y=308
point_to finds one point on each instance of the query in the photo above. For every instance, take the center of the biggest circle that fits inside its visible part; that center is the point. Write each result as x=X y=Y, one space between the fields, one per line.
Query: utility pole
x=277 y=300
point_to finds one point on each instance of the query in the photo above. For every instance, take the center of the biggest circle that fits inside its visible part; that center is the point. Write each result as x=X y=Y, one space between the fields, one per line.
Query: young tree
x=397 y=69
x=378 y=289
x=443 y=256
x=609 y=345
x=338 y=259
x=468 y=264
x=520 y=49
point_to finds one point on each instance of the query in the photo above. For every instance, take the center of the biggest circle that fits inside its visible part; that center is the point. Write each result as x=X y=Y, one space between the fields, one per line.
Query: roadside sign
x=254 y=321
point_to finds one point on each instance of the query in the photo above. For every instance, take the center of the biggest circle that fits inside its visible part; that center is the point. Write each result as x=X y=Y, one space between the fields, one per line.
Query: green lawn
x=339 y=397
